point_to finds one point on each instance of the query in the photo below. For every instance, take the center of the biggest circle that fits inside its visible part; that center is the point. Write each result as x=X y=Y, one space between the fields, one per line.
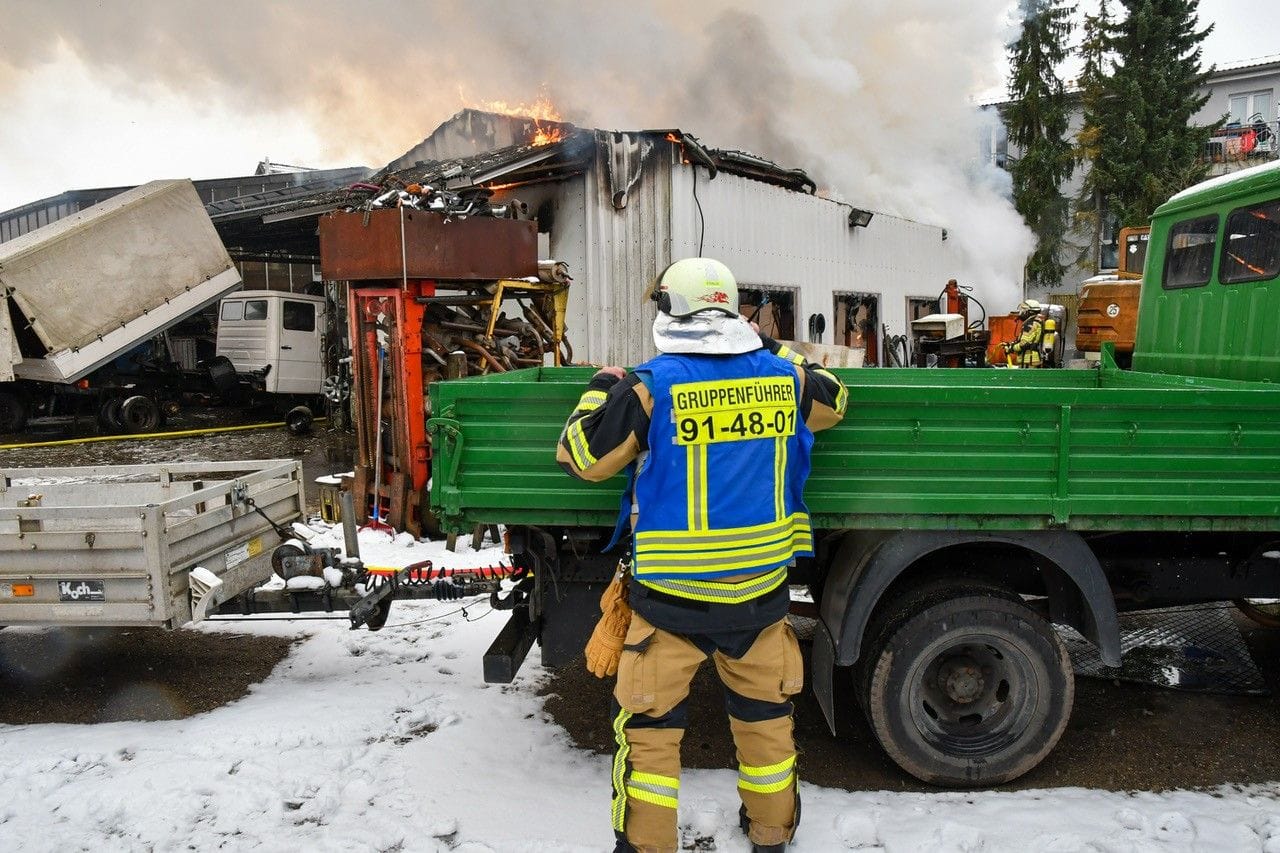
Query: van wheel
x=13 y=412
x=140 y=414
x=972 y=690
x=298 y=420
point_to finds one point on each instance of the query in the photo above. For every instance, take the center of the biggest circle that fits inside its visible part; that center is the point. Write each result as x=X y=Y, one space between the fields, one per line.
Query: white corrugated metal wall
x=773 y=237
x=769 y=236
x=615 y=246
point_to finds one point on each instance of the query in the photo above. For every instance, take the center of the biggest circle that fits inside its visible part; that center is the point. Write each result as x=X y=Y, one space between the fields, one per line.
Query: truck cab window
x=1251 y=247
x=298 y=316
x=233 y=310
x=1189 y=258
x=255 y=309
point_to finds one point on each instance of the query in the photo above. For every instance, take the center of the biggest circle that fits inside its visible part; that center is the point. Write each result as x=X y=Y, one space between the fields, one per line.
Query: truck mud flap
x=822 y=673
x=503 y=659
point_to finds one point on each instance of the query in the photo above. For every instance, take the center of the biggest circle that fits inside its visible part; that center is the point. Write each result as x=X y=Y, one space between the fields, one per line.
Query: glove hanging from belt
x=604 y=649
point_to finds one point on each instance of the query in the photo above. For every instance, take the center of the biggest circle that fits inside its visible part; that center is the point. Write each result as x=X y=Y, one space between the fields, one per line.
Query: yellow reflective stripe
x=704 y=511
x=696 y=486
x=723 y=593
x=699 y=562
x=619 y=810
x=749 y=535
x=652 y=788
x=577 y=440
x=767 y=780
x=655 y=779
x=779 y=477
x=690 y=479
x=591 y=401
x=768 y=769
x=842 y=395
x=791 y=356
x=650 y=797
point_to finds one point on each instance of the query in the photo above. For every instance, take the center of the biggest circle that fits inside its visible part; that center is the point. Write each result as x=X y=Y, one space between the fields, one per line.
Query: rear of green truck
x=959 y=516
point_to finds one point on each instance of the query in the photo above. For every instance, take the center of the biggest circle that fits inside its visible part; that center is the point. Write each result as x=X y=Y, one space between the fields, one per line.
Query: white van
x=282 y=332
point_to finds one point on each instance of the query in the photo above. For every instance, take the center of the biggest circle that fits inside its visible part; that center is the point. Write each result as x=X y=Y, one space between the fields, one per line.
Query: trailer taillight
x=23 y=590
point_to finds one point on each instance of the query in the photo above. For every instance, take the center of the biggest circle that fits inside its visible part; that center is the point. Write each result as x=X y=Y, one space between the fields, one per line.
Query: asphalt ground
x=1121 y=736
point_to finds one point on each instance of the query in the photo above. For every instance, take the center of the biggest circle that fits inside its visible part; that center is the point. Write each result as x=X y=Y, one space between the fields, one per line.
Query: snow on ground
x=390 y=741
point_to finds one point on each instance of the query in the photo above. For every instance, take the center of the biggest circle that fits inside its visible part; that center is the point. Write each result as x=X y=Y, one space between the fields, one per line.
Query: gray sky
x=81 y=108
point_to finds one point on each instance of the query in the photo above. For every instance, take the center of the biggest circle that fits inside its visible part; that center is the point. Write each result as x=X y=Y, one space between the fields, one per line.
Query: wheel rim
x=974 y=695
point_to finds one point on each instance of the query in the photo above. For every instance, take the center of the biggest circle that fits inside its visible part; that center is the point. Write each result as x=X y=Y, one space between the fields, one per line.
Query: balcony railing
x=1242 y=145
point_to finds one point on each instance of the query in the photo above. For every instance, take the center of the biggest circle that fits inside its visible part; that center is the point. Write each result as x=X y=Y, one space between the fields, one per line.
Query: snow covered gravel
x=390 y=741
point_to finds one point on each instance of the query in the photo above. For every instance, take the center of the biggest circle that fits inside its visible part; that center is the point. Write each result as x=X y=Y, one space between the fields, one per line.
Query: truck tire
x=140 y=414
x=109 y=422
x=13 y=412
x=969 y=691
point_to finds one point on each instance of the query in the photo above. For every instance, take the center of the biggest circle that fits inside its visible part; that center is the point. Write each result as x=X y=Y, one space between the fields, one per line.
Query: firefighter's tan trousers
x=760 y=671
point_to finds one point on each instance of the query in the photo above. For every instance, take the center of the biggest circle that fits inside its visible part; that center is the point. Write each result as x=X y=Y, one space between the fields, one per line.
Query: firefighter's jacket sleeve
x=1032 y=335
x=823 y=397
x=608 y=428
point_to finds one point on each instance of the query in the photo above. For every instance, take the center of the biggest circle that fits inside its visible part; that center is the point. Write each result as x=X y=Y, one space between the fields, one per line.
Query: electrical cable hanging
x=702 y=220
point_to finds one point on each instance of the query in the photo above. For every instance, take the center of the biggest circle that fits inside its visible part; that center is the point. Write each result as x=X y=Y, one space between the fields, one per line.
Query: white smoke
x=871 y=98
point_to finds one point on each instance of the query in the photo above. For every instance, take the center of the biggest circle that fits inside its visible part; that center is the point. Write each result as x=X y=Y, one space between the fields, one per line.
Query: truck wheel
x=140 y=414
x=970 y=691
x=13 y=412
x=109 y=422
x=298 y=420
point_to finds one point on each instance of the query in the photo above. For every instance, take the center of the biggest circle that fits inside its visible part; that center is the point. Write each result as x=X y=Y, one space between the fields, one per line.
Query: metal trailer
x=139 y=545
x=958 y=513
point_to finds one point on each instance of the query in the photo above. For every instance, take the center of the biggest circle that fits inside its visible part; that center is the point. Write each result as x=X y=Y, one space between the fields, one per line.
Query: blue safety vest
x=721 y=490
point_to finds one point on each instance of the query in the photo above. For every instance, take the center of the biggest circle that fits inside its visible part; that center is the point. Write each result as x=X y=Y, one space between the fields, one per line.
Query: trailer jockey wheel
x=971 y=689
x=140 y=414
x=298 y=420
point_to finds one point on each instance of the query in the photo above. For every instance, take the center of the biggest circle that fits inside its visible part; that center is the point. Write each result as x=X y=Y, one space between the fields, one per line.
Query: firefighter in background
x=719 y=427
x=1026 y=349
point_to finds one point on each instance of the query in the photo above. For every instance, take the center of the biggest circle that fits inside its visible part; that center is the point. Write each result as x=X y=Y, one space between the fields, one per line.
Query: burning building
x=617 y=207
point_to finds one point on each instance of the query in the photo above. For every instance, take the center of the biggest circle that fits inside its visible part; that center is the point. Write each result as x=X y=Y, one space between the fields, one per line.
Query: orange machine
x=1109 y=303
x=420 y=289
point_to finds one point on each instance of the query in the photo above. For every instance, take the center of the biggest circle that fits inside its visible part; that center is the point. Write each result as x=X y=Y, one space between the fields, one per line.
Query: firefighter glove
x=604 y=649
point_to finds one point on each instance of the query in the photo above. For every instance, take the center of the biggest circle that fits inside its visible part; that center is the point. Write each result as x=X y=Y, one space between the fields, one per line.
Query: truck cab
x=282 y=332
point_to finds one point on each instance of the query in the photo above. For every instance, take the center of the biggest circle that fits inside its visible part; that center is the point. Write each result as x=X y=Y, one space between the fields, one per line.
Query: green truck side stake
x=960 y=513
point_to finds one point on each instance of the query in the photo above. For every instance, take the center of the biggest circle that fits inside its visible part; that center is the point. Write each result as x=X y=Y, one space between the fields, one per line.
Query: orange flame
x=540 y=110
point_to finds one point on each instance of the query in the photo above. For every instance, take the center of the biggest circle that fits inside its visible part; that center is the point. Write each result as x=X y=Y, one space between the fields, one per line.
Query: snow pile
x=390 y=741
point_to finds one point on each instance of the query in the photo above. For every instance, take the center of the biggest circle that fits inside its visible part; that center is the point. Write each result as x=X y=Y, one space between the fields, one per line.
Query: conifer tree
x=1037 y=121
x=1147 y=147
x=1095 y=55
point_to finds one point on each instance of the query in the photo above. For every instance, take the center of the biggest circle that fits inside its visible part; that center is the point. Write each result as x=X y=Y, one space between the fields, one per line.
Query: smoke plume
x=871 y=98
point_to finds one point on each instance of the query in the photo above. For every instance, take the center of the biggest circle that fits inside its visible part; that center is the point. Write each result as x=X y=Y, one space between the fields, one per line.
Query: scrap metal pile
x=494 y=342
x=468 y=315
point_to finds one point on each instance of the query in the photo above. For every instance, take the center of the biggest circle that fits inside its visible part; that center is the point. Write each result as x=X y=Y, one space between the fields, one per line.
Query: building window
x=1247 y=107
x=1189 y=256
x=1251 y=247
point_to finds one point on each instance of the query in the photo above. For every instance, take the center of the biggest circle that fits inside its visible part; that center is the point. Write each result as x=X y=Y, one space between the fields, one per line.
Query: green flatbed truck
x=960 y=513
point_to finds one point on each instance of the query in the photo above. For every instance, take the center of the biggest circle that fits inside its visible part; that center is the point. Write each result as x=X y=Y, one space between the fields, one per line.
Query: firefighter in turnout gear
x=717 y=431
x=1026 y=349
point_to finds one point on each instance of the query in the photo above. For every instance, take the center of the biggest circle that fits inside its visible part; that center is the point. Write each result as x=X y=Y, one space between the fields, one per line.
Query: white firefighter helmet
x=1027 y=307
x=696 y=284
